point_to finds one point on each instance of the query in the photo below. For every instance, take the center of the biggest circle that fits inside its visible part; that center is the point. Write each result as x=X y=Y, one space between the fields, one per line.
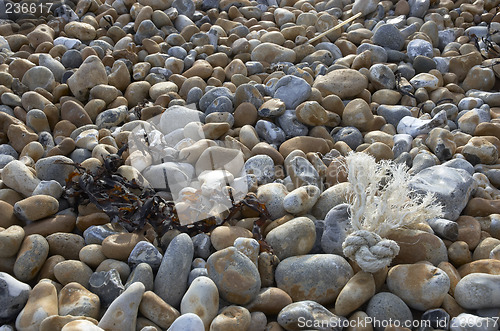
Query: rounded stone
x=68 y=245
x=295 y=237
x=385 y=305
x=202 y=299
x=224 y=236
x=429 y=285
x=31 y=257
x=10 y=240
x=358 y=290
x=478 y=291
x=345 y=83
x=302 y=199
x=76 y=300
x=235 y=275
x=36 y=207
x=158 y=311
x=72 y=271
x=231 y=318
x=318 y=277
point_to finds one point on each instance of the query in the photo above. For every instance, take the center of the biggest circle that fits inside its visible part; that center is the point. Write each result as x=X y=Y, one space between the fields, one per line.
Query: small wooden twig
x=336 y=27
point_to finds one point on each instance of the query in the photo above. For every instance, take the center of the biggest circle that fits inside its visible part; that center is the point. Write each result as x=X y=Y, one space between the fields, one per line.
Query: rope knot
x=370 y=251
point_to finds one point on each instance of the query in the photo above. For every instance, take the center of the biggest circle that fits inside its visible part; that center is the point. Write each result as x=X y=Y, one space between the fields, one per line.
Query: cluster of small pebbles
x=413 y=81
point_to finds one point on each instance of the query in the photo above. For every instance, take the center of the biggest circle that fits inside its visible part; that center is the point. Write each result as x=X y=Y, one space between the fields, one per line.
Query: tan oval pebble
x=83 y=222
x=379 y=151
x=345 y=83
x=120 y=266
x=76 y=300
x=357 y=113
x=34 y=150
x=72 y=271
x=302 y=199
x=18 y=177
x=31 y=257
x=8 y=217
x=416 y=245
x=81 y=325
x=487 y=266
x=231 y=318
x=224 y=236
x=41 y=304
x=92 y=255
x=304 y=143
x=158 y=311
x=47 y=271
x=358 y=290
x=270 y=301
x=295 y=237
x=459 y=253
x=202 y=299
x=19 y=136
x=118 y=246
x=469 y=230
x=67 y=245
x=359 y=321
x=452 y=273
x=36 y=207
x=48 y=226
x=429 y=285
x=56 y=322
x=11 y=240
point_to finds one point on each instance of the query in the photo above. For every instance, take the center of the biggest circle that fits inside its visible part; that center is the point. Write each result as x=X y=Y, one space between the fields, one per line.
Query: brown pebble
x=47 y=270
x=67 y=245
x=118 y=246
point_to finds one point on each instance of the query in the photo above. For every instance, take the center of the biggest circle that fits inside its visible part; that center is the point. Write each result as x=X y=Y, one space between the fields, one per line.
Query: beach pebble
x=31 y=257
x=231 y=318
x=122 y=313
x=430 y=285
x=385 y=305
x=107 y=285
x=453 y=196
x=345 y=83
x=302 y=199
x=145 y=252
x=11 y=239
x=270 y=300
x=316 y=276
x=76 y=300
x=293 y=238
x=14 y=295
x=245 y=283
x=336 y=228
x=42 y=303
x=478 y=291
x=187 y=321
x=89 y=74
x=72 y=271
x=68 y=245
x=18 y=177
x=358 y=290
x=295 y=315
x=158 y=311
x=202 y=299
x=36 y=207
x=171 y=284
